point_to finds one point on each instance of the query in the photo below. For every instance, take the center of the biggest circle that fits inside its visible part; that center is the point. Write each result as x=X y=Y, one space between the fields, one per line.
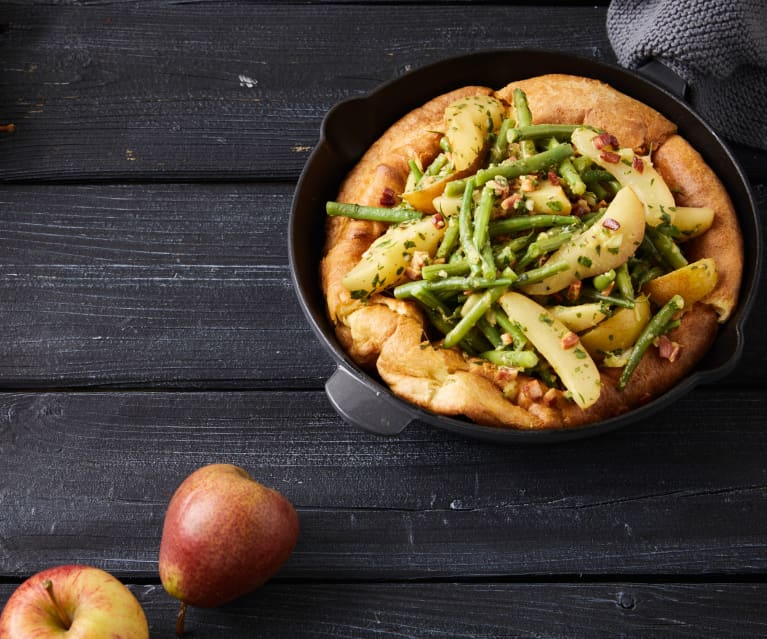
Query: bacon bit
x=533 y=389
x=605 y=140
x=551 y=396
x=610 y=156
x=507 y=339
x=574 y=290
x=611 y=223
x=511 y=201
x=500 y=187
x=388 y=197
x=553 y=178
x=580 y=208
x=527 y=183
x=608 y=289
x=569 y=340
x=507 y=374
x=438 y=220
x=419 y=260
x=668 y=349
x=637 y=164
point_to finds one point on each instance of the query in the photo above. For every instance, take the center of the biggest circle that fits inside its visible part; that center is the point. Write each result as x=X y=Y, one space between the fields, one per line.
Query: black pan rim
x=432 y=79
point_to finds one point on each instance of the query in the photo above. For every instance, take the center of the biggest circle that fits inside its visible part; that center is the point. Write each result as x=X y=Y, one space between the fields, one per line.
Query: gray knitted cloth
x=719 y=47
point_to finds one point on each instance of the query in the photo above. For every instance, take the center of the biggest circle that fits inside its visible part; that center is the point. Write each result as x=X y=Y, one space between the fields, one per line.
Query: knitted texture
x=719 y=47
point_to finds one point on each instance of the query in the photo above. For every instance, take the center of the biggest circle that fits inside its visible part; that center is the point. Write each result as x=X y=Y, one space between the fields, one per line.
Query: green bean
x=505 y=253
x=488 y=261
x=595 y=296
x=649 y=253
x=603 y=280
x=486 y=300
x=501 y=144
x=542 y=131
x=581 y=163
x=419 y=290
x=467 y=283
x=623 y=281
x=415 y=170
x=524 y=118
x=571 y=177
x=450 y=284
x=657 y=326
x=666 y=248
x=530 y=164
x=455 y=187
x=438 y=271
x=444 y=144
x=513 y=328
x=598 y=190
x=525 y=222
x=541 y=273
x=441 y=317
x=449 y=239
x=491 y=332
x=465 y=232
x=612 y=187
x=596 y=175
x=544 y=245
x=472 y=343
x=437 y=165
x=514 y=359
x=482 y=216
x=373 y=213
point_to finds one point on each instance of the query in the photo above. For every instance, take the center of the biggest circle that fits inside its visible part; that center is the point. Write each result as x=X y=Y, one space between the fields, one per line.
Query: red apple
x=73 y=602
x=224 y=535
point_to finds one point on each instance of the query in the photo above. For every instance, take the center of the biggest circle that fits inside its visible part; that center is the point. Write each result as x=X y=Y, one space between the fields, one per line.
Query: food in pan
x=547 y=255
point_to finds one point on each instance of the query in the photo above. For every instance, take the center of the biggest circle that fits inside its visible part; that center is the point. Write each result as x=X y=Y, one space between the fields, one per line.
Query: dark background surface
x=150 y=327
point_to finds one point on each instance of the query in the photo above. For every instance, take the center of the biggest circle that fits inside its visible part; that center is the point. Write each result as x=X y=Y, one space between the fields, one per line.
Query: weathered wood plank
x=186 y=92
x=136 y=284
x=546 y=611
x=170 y=284
x=86 y=477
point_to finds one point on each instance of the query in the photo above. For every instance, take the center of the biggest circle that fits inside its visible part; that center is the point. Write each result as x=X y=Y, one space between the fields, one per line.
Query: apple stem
x=63 y=616
x=180 y=620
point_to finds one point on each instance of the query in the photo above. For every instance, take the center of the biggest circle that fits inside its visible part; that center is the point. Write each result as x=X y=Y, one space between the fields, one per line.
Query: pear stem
x=63 y=616
x=180 y=620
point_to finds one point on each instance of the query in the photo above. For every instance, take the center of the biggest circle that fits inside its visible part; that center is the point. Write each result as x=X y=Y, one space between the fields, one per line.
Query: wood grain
x=150 y=326
x=546 y=611
x=183 y=92
x=172 y=285
x=87 y=476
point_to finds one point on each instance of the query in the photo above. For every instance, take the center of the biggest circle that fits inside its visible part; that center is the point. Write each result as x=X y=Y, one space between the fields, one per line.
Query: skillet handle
x=363 y=406
x=752 y=160
x=659 y=73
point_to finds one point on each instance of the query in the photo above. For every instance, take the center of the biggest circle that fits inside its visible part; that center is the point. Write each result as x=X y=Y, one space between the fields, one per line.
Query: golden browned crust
x=562 y=98
x=695 y=184
x=389 y=335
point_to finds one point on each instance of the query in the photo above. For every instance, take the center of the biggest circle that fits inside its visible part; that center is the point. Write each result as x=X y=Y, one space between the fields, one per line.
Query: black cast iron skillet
x=352 y=126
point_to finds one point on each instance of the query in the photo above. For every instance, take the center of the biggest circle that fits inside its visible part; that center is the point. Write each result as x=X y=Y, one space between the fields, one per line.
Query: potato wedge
x=607 y=244
x=648 y=184
x=693 y=282
x=579 y=317
x=384 y=263
x=620 y=331
x=468 y=125
x=446 y=205
x=692 y=221
x=550 y=198
x=572 y=363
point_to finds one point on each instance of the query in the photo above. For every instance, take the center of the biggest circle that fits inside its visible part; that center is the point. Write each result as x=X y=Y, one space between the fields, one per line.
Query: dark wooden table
x=149 y=327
